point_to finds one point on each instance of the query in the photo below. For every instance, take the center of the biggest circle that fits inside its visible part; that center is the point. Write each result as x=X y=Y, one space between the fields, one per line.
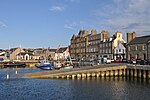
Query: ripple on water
x=17 y=88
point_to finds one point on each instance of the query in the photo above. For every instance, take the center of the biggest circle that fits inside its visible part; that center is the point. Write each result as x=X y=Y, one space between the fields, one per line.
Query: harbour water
x=18 y=88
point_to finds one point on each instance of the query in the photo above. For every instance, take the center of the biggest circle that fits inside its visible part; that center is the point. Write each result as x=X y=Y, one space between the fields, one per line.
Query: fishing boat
x=63 y=65
x=45 y=65
x=13 y=64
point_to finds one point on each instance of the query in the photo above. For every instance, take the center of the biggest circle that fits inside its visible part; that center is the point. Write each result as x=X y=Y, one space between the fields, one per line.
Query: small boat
x=45 y=65
x=63 y=65
x=68 y=67
x=12 y=64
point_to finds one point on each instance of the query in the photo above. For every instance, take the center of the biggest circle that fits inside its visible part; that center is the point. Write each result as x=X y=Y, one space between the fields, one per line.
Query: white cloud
x=71 y=26
x=73 y=0
x=2 y=25
x=126 y=15
x=57 y=8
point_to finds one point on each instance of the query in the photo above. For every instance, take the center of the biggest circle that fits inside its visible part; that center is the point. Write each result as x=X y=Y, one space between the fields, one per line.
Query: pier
x=112 y=70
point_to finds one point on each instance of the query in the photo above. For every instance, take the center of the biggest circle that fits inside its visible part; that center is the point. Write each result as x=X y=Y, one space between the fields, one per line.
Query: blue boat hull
x=68 y=67
x=45 y=67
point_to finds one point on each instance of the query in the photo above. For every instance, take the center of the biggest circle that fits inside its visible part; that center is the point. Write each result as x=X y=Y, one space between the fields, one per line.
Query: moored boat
x=68 y=67
x=45 y=65
x=13 y=64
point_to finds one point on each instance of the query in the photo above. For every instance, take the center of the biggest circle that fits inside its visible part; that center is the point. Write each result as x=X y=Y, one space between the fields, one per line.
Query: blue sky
x=50 y=23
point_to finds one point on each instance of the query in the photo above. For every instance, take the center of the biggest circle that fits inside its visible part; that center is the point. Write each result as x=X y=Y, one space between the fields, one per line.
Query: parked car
x=117 y=60
x=144 y=62
x=112 y=60
x=108 y=61
x=124 y=60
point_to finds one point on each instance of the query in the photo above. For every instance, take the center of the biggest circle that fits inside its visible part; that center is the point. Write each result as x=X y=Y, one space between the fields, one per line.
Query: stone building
x=108 y=44
x=42 y=53
x=138 y=48
x=25 y=56
x=94 y=46
x=79 y=44
x=62 y=54
x=13 y=52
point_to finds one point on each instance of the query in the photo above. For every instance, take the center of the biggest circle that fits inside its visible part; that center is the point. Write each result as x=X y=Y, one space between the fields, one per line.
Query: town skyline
x=35 y=23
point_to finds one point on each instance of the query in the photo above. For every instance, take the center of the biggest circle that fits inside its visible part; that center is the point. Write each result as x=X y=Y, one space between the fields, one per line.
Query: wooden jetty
x=119 y=70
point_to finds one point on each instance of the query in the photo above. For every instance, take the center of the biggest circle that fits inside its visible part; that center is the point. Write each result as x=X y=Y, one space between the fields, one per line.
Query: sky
x=51 y=23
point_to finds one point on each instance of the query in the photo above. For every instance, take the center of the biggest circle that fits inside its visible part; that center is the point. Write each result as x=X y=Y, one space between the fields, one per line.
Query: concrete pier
x=106 y=71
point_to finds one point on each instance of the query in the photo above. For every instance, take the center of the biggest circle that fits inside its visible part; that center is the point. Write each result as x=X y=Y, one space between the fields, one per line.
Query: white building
x=120 y=51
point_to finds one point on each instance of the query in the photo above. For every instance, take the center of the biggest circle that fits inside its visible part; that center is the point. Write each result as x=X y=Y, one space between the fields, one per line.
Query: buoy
x=7 y=76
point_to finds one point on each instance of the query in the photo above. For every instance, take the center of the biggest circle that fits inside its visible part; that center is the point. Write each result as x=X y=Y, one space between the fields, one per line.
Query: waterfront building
x=108 y=45
x=120 y=51
x=138 y=48
x=13 y=52
x=62 y=54
x=94 y=46
x=3 y=54
x=42 y=53
x=79 y=44
x=25 y=56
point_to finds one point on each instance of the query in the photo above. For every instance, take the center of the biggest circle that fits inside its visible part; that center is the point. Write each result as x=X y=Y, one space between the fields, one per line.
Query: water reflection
x=109 y=88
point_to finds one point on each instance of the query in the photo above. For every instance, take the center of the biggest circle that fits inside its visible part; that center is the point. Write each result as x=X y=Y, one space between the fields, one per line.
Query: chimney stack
x=130 y=36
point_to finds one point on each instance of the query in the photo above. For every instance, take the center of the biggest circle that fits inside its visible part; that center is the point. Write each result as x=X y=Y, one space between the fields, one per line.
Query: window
x=119 y=50
x=100 y=51
x=100 y=45
x=116 y=51
x=106 y=44
x=103 y=45
x=144 y=47
x=109 y=44
x=106 y=50
x=123 y=51
x=109 y=50
x=136 y=47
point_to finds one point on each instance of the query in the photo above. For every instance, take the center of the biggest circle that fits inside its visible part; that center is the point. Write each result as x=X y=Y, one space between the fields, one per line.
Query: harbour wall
x=131 y=71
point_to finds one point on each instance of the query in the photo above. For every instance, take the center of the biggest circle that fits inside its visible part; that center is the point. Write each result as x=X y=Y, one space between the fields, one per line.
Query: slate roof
x=61 y=50
x=24 y=53
x=140 y=40
x=52 y=50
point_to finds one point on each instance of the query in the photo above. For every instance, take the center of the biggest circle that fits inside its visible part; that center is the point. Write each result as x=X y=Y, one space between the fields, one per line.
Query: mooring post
x=107 y=73
x=83 y=75
x=102 y=73
x=68 y=76
x=144 y=74
x=148 y=76
x=16 y=71
x=98 y=74
x=111 y=73
x=73 y=76
x=7 y=73
x=88 y=75
x=93 y=74
x=78 y=75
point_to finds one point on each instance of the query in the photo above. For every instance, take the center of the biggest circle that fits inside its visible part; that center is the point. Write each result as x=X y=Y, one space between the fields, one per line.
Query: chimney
x=85 y=33
x=130 y=36
x=104 y=35
x=93 y=32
